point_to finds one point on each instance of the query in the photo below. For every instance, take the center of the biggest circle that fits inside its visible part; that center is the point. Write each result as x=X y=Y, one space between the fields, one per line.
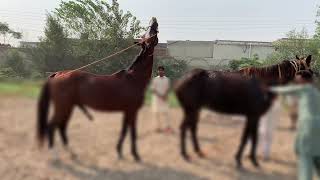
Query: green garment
x=306 y=166
x=308 y=132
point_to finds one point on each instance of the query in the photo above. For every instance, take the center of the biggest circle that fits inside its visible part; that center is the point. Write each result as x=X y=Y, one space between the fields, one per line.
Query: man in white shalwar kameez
x=160 y=88
x=267 y=125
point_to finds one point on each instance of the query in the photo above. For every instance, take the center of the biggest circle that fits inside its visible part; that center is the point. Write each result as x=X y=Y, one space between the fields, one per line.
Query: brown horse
x=122 y=91
x=231 y=93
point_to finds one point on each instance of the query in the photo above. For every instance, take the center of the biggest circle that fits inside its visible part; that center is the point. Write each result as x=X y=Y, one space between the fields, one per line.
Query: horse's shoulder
x=120 y=73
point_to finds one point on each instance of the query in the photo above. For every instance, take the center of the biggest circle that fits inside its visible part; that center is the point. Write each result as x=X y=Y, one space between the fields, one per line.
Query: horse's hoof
x=239 y=167
x=74 y=156
x=239 y=163
x=137 y=159
x=254 y=162
x=187 y=158
x=120 y=157
x=201 y=154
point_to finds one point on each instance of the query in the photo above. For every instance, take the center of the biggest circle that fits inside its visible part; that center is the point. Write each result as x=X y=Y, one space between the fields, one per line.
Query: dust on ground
x=94 y=143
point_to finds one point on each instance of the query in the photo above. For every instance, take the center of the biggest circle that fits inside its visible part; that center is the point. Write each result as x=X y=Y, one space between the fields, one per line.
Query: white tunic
x=160 y=85
x=267 y=126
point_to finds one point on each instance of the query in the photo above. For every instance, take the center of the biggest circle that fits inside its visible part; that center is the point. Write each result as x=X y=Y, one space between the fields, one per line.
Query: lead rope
x=110 y=56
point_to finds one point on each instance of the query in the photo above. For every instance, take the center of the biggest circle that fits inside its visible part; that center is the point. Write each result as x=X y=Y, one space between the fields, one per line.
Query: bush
x=245 y=62
x=14 y=66
x=174 y=68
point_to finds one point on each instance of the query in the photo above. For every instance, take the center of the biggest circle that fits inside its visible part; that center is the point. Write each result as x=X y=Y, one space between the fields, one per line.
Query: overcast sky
x=261 y=20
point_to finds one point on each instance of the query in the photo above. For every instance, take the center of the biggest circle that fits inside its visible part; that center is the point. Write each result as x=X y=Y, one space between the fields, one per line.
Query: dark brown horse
x=280 y=73
x=123 y=91
x=231 y=93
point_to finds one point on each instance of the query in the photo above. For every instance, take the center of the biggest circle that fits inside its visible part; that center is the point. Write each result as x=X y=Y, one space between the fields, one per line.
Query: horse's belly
x=113 y=103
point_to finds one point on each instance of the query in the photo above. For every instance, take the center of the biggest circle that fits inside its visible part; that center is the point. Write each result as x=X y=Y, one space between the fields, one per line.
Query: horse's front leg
x=122 y=136
x=194 y=120
x=183 y=129
x=132 y=118
x=244 y=139
x=254 y=138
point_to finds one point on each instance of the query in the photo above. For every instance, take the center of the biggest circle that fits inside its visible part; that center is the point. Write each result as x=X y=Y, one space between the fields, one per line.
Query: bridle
x=297 y=65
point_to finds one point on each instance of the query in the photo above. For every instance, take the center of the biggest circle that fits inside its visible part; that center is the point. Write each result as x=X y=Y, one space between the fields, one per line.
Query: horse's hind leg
x=51 y=132
x=244 y=139
x=183 y=128
x=63 y=119
x=194 y=120
x=254 y=138
x=123 y=134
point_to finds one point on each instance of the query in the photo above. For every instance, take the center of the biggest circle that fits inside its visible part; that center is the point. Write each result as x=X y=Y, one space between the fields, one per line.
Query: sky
x=203 y=20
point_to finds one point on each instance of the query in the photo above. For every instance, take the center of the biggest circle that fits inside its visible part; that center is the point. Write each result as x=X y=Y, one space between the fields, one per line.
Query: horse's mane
x=137 y=59
x=271 y=70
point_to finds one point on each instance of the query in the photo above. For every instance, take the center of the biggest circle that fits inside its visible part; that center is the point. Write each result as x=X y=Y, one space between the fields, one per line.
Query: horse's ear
x=308 y=59
x=297 y=57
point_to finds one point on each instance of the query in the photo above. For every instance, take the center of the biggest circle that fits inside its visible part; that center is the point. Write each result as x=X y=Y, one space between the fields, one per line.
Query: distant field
x=31 y=89
x=20 y=88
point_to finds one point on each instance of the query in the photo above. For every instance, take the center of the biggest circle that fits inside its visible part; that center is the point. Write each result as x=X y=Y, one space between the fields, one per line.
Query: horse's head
x=304 y=63
x=289 y=68
x=150 y=38
x=149 y=41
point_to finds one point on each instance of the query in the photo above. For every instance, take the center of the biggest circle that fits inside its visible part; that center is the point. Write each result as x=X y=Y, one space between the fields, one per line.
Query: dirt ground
x=94 y=143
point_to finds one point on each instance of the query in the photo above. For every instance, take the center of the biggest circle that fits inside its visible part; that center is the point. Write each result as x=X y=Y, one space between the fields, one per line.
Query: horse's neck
x=142 y=71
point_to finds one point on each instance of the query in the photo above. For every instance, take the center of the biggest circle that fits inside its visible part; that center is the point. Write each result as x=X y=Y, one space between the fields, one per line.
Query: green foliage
x=296 y=43
x=14 y=66
x=174 y=68
x=245 y=62
x=23 y=88
x=53 y=52
x=82 y=31
x=98 y=20
x=100 y=29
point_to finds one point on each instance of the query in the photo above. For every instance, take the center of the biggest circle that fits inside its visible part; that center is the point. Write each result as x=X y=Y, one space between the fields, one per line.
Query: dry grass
x=94 y=143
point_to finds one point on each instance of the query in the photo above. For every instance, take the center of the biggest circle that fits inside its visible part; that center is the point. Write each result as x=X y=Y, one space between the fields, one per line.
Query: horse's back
x=224 y=92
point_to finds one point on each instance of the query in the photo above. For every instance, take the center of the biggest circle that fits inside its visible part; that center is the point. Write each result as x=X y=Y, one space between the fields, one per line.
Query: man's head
x=161 y=71
x=303 y=77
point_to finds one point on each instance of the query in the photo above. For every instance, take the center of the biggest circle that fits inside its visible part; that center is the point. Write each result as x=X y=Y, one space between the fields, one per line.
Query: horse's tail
x=43 y=107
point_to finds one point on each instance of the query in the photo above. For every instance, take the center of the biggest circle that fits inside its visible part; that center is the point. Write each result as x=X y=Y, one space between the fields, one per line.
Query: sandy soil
x=94 y=143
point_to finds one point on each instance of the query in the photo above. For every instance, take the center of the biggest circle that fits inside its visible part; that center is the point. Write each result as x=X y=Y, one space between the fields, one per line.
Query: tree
x=14 y=66
x=6 y=32
x=53 y=52
x=245 y=62
x=296 y=43
x=99 y=28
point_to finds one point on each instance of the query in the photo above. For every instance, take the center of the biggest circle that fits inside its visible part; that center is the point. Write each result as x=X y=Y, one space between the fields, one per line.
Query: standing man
x=307 y=144
x=267 y=126
x=160 y=88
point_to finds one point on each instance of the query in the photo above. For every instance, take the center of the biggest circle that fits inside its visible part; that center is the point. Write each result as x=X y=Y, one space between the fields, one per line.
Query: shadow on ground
x=93 y=172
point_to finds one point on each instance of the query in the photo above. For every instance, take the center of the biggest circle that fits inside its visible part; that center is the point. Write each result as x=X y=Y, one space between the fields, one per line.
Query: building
x=205 y=54
x=27 y=44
